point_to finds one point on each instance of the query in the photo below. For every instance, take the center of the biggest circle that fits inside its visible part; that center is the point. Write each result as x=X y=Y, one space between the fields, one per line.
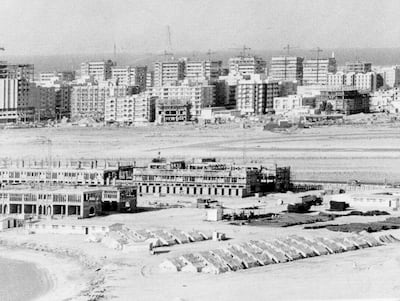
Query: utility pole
x=318 y=51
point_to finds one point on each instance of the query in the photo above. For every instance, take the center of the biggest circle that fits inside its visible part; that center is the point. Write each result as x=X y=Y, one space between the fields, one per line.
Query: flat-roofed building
x=171 y=110
x=130 y=109
x=255 y=96
x=168 y=72
x=287 y=68
x=70 y=201
x=358 y=67
x=76 y=172
x=203 y=70
x=99 y=70
x=315 y=71
x=246 y=65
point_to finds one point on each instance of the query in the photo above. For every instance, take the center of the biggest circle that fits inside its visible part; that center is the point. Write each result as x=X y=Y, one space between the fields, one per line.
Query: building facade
x=315 y=71
x=169 y=110
x=287 y=68
x=130 y=109
x=168 y=73
x=246 y=65
x=203 y=70
x=100 y=70
x=197 y=95
x=358 y=67
x=89 y=100
x=256 y=96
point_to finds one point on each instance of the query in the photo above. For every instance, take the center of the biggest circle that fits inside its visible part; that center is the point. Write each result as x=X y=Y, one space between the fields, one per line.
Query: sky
x=46 y=27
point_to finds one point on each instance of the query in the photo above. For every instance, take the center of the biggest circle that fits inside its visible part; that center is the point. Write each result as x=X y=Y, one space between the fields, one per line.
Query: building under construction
x=204 y=178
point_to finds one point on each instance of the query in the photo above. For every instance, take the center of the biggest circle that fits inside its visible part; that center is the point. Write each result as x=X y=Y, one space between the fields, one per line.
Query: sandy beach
x=40 y=276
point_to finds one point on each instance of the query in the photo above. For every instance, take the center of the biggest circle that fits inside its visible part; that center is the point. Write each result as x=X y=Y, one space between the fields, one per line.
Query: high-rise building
x=358 y=67
x=245 y=65
x=168 y=72
x=365 y=81
x=255 y=96
x=197 y=95
x=391 y=76
x=14 y=100
x=149 y=79
x=138 y=77
x=100 y=70
x=21 y=71
x=288 y=68
x=43 y=99
x=315 y=71
x=88 y=100
x=121 y=75
x=203 y=70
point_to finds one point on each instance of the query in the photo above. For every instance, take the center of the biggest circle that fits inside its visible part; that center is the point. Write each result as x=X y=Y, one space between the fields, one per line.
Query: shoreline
x=66 y=277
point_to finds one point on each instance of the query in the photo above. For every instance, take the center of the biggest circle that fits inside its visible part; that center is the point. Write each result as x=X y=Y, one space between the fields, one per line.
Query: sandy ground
x=366 y=274
x=365 y=152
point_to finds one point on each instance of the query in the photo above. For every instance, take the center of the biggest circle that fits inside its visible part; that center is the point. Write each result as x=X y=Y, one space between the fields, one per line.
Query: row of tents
x=261 y=252
x=121 y=237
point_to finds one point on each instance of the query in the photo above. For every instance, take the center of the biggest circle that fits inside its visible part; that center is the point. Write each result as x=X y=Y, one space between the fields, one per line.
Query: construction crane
x=209 y=54
x=243 y=50
x=317 y=51
x=288 y=48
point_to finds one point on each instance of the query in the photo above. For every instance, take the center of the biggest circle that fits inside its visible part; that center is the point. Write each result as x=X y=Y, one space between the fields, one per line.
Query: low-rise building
x=170 y=110
x=76 y=201
x=290 y=103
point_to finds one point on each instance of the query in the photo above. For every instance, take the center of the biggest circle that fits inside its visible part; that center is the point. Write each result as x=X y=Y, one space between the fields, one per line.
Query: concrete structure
x=203 y=70
x=218 y=114
x=315 y=71
x=43 y=99
x=347 y=100
x=82 y=202
x=76 y=172
x=204 y=178
x=89 y=100
x=246 y=65
x=287 y=68
x=365 y=81
x=21 y=71
x=358 y=67
x=391 y=76
x=130 y=76
x=292 y=103
x=14 y=100
x=197 y=95
x=149 y=79
x=255 y=96
x=130 y=109
x=55 y=77
x=169 y=110
x=385 y=101
x=100 y=70
x=168 y=72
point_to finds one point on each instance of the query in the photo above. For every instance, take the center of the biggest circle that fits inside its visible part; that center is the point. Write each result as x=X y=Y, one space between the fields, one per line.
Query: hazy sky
x=87 y=26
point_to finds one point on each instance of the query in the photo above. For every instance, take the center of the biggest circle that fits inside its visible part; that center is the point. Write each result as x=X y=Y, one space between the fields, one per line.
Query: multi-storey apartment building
x=21 y=71
x=315 y=71
x=358 y=67
x=43 y=99
x=391 y=76
x=365 y=81
x=89 y=100
x=287 y=68
x=255 y=96
x=130 y=109
x=100 y=70
x=196 y=94
x=245 y=65
x=290 y=103
x=14 y=101
x=203 y=70
x=168 y=72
